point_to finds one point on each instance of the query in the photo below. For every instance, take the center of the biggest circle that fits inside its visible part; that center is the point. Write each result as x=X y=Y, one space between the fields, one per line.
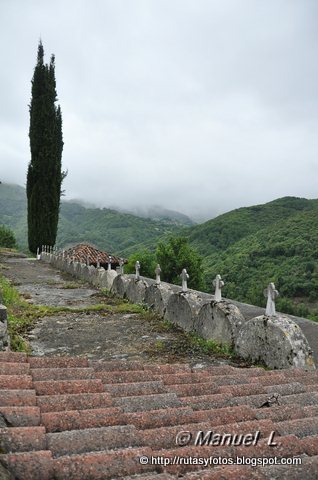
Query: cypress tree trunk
x=44 y=177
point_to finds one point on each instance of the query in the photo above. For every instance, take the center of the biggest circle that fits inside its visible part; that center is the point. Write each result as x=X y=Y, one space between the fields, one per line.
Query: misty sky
x=200 y=106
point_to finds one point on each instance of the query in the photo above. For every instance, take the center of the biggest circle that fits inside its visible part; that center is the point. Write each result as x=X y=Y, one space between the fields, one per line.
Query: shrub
x=7 y=238
x=147 y=263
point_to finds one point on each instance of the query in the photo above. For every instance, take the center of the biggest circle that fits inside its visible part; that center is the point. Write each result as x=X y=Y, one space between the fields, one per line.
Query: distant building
x=84 y=252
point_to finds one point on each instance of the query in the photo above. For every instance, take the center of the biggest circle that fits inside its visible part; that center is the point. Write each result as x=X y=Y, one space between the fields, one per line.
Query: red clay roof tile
x=84 y=251
x=14 y=368
x=70 y=373
x=57 y=403
x=81 y=419
x=21 y=398
x=21 y=416
x=13 y=382
x=54 y=387
x=65 y=425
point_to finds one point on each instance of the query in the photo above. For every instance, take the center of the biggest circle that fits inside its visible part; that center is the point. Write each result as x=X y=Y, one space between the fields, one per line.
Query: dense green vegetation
x=225 y=230
x=275 y=242
x=7 y=239
x=176 y=254
x=115 y=232
x=148 y=263
x=45 y=176
x=173 y=255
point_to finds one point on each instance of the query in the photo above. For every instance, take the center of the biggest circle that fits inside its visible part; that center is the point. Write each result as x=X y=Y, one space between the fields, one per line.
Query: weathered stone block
x=120 y=284
x=98 y=275
x=107 y=279
x=276 y=341
x=3 y=314
x=91 y=273
x=183 y=308
x=58 y=263
x=4 y=338
x=68 y=266
x=85 y=273
x=77 y=269
x=136 y=289
x=220 y=321
x=157 y=296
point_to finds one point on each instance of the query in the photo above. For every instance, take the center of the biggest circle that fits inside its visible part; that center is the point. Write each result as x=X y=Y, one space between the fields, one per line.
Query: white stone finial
x=271 y=294
x=184 y=277
x=121 y=266
x=109 y=266
x=137 y=267
x=158 y=272
x=218 y=284
x=63 y=254
x=97 y=263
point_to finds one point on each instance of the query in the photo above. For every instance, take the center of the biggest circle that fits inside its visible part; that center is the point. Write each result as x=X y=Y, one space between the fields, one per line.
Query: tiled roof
x=70 y=418
x=83 y=251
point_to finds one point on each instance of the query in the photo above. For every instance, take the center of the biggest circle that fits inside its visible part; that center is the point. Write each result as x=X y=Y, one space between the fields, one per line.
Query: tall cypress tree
x=45 y=175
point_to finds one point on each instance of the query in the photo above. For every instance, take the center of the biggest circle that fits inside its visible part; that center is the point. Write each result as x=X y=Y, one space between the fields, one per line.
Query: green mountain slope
x=13 y=210
x=113 y=231
x=252 y=246
x=221 y=232
x=117 y=232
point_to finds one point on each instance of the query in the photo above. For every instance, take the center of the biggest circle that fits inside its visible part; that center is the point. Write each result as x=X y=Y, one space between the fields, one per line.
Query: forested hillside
x=252 y=246
x=116 y=232
x=110 y=230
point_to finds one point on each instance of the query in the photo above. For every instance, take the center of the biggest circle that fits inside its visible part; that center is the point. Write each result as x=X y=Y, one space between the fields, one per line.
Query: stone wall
x=4 y=337
x=275 y=341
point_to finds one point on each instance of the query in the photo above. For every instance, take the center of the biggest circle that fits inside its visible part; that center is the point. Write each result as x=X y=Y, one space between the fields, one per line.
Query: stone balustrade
x=273 y=340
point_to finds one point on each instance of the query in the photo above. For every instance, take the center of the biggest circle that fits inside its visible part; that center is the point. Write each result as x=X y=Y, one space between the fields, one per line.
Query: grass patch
x=52 y=282
x=18 y=323
x=164 y=326
x=209 y=346
x=70 y=286
x=185 y=345
x=46 y=311
x=129 y=308
x=10 y=296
